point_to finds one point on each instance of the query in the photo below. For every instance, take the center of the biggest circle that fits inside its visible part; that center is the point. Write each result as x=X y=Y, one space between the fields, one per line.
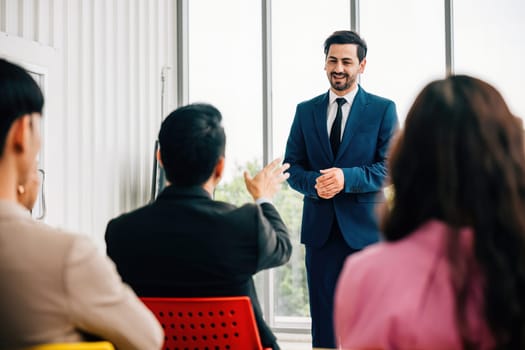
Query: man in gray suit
x=54 y=286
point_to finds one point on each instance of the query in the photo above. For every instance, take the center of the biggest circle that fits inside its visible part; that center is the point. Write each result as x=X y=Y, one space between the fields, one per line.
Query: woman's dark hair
x=19 y=95
x=191 y=142
x=461 y=159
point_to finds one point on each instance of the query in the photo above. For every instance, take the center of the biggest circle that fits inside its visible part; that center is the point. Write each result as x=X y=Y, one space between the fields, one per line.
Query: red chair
x=221 y=323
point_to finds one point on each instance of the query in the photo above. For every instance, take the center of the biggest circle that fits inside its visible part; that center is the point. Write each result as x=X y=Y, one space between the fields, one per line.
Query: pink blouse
x=398 y=296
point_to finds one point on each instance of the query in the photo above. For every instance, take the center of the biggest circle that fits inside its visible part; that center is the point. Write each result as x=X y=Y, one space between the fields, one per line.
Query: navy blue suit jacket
x=362 y=156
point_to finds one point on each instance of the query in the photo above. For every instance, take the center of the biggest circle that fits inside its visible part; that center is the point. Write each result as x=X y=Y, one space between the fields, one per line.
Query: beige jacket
x=56 y=287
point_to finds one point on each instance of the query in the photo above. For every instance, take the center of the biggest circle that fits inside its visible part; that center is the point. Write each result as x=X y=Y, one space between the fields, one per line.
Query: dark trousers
x=323 y=266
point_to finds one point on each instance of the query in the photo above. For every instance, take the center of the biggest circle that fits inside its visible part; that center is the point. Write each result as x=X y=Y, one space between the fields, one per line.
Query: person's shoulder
x=315 y=100
x=246 y=209
x=373 y=98
x=131 y=216
x=218 y=207
x=413 y=253
x=72 y=240
x=247 y=214
x=45 y=246
x=383 y=257
x=373 y=257
x=39 y=231
x=82 y=249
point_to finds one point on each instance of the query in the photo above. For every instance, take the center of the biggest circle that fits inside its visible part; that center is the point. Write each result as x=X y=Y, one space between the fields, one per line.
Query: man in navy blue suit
x=337 y=150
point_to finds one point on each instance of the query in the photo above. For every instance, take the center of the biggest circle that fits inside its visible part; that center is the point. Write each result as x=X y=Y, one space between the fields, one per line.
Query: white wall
x=102 y=61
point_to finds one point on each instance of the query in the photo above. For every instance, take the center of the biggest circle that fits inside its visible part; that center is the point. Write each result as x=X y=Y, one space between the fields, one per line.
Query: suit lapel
x=320 y=110
x=355 y=117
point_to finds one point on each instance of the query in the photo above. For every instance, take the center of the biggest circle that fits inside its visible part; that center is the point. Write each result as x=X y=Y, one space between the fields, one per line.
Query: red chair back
x=221 y=323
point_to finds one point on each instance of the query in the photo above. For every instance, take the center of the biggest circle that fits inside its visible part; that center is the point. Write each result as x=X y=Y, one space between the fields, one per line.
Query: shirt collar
x=191 y=191
x=349 y=96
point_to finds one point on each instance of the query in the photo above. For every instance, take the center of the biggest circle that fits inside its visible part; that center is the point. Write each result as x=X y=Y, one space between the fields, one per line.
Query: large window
x=225 y=70
x=407 y=49
x=488 y=43
x=298 y=75
x=224 y=41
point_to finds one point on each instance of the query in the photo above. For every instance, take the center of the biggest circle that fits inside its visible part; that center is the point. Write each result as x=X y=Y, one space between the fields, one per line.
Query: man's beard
x=342 y=85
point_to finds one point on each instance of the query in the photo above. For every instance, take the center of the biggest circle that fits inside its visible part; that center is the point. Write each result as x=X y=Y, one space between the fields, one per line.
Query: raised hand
x=268 y=181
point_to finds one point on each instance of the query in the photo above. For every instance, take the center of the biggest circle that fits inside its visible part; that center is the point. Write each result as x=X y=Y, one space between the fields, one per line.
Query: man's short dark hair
x=19 y=95
x=192 y=140
x=346 y=37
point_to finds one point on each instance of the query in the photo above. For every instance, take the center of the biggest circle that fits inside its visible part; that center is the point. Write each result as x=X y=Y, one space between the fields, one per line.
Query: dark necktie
x=335 y=133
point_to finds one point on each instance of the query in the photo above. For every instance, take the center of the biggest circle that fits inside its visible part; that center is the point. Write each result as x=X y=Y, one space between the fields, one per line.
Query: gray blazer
x=56 y=287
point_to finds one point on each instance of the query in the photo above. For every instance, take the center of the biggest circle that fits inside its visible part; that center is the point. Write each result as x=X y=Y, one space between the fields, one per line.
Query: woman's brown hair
x=460 y=159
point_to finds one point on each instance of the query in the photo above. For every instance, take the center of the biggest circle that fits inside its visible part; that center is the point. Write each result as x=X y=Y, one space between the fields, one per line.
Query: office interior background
x=111 y=70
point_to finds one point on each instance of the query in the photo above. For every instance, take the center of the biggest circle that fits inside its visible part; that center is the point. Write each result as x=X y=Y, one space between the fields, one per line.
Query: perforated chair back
x=99 y=345
x=222 y=323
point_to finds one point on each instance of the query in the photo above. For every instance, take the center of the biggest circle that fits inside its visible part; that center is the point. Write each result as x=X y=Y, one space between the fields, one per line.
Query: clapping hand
x=268 y=181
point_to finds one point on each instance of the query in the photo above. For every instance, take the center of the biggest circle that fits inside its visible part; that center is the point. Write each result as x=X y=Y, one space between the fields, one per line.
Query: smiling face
x=342 y=67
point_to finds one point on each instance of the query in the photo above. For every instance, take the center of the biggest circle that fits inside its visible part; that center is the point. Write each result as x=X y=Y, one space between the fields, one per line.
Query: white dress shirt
x=345 y=109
